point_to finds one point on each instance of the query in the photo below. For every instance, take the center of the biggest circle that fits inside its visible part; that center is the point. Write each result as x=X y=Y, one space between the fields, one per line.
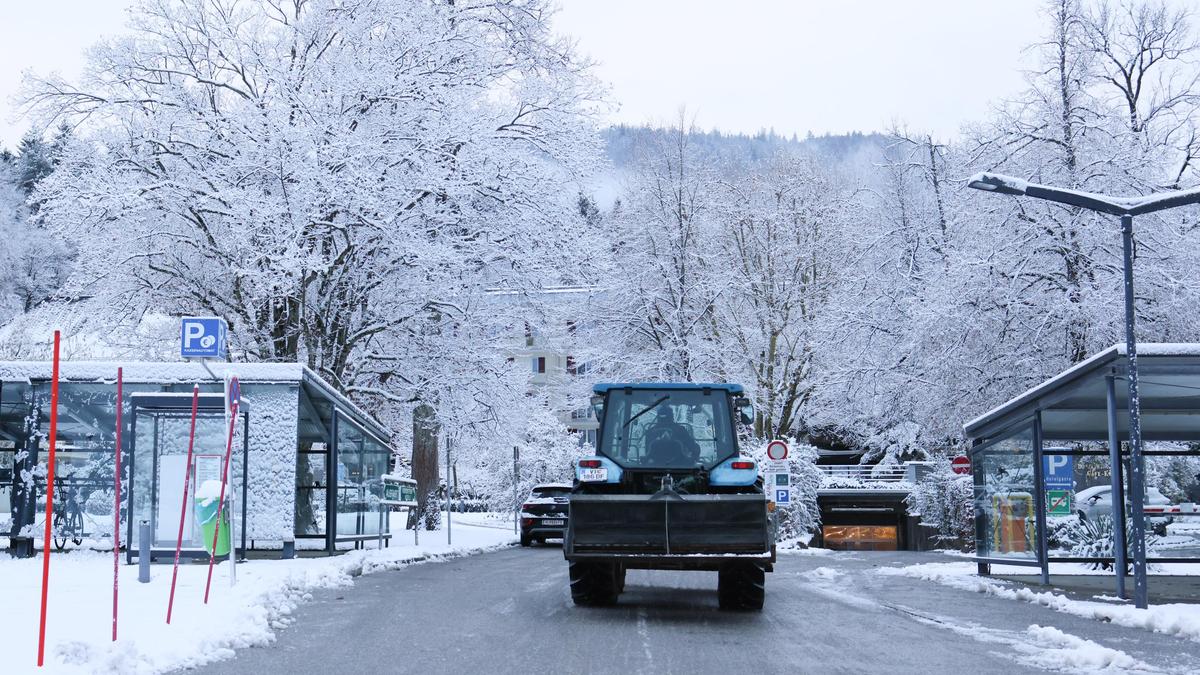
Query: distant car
x=1094 y=502
x=544 y=513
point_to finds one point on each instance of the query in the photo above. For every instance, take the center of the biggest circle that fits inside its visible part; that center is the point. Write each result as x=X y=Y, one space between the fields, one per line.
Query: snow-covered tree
x=343 y=182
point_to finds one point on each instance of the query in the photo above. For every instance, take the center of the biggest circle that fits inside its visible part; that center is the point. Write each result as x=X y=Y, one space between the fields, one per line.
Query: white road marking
x=644 y=632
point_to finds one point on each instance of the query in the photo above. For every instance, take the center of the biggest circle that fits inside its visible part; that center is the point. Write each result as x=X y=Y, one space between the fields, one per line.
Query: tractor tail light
x=742 y=465
x=589 y=464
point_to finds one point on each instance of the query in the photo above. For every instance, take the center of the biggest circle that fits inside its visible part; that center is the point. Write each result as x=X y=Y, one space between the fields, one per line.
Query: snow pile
x=1179 y=619
x=248 y=614
x=823 y=574
x=1056 y=650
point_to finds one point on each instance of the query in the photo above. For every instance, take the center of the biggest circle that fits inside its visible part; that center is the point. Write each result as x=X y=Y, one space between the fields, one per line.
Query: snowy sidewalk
x=78 y=635
x=1178 y=619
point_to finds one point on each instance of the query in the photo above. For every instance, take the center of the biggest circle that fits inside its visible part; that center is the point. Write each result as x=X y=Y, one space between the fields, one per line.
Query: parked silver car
x=1096 y=501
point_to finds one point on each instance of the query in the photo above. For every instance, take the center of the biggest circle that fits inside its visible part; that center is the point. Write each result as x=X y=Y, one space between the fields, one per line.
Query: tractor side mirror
x=598 y=407
x=745 y=409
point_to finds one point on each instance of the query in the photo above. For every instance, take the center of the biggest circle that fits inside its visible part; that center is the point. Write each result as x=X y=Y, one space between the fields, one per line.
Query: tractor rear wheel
x=741 y=586
x=594 y=583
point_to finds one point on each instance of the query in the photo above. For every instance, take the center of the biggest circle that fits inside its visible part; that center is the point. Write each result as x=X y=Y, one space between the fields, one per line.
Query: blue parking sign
x=783 y=496
x=202 y=338
x=1058 y=472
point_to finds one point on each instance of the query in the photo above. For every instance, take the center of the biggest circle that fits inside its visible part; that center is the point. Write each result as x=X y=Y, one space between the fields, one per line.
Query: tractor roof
x=605 y=387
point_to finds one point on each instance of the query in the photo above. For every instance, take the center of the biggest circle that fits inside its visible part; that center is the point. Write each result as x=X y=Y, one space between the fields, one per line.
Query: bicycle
x=68 y=516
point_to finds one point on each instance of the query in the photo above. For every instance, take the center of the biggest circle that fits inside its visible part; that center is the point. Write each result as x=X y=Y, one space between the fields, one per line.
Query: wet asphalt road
x=511 y=612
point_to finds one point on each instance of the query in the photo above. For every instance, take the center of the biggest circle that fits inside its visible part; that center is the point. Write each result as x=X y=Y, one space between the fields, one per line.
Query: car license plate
x=594 y=475
x=556 y=521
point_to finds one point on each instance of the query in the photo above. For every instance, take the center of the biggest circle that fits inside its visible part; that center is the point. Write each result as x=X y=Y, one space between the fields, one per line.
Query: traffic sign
x=777 y=450
x=1058 y=502
x=961 y=465
x=233 y=394
x=202 y=338
x=783 y=495
x=1058 y=472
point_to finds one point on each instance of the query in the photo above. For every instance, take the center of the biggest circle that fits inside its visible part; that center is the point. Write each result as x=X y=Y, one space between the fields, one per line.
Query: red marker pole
x=187 y=474
x=49 y=502
x=117 y=504
x=233 y=406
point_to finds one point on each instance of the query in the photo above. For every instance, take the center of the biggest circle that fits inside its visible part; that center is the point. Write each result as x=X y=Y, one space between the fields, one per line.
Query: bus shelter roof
x=1074 y=403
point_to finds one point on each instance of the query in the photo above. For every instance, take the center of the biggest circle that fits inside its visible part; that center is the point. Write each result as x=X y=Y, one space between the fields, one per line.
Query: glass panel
x=1005 y=523
x=13 y=409
x=84 y=460
x=312 y=457
x=376 y=460
x=310 y=488
x=1172 y=507
x=351 y=492
x=160 y=461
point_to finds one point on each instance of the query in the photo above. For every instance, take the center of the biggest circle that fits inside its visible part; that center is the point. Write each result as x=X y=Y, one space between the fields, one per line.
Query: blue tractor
x=668 y=489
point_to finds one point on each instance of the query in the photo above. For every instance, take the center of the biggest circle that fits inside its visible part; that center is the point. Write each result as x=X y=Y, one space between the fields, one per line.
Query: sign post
x=49 y=502
x=777 y=475
x=516 y=490
x=233 y=394
x=233 y=400
x=117 y=503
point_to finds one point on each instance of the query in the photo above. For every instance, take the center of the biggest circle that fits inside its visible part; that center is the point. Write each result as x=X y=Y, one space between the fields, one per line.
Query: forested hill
x=622 y=140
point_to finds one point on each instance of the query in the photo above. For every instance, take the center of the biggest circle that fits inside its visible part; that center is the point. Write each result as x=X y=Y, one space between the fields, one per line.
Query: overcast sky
x=794 y=65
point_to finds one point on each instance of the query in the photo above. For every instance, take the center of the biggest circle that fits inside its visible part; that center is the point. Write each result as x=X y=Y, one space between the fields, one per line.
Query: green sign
x=1058 y=502
x=399 y=492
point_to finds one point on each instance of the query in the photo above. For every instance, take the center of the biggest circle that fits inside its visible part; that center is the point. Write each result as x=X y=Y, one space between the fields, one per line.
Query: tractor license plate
x=556 y=521
x=594 y=475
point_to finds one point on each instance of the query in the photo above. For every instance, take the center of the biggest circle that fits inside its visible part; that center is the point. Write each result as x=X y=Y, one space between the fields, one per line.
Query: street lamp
x=1126 y=208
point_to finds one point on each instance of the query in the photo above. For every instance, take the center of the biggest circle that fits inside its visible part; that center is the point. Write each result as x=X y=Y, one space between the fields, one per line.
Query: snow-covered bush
x=945 y=501
x=1062 y=534
x=1093 y=538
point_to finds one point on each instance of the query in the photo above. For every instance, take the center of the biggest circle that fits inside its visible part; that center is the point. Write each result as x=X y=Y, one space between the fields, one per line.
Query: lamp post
x=1126 y=208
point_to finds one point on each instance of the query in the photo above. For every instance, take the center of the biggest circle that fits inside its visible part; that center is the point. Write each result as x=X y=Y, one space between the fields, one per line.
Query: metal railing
x=893 y=473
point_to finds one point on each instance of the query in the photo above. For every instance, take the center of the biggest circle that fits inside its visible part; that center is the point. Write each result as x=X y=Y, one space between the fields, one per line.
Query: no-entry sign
x=777 y=450
x=961 y=465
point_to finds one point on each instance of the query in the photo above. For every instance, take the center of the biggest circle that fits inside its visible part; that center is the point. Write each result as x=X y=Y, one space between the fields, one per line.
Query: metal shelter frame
x=1084 y=404
x=179 y=404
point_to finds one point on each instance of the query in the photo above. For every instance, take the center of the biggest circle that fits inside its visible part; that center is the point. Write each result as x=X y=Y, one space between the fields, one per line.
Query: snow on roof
x=151 y=372
x=185 y=372
x=1156 y=349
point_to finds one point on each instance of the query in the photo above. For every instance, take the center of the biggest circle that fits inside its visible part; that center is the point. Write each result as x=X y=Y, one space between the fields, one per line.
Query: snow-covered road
x=510 y=612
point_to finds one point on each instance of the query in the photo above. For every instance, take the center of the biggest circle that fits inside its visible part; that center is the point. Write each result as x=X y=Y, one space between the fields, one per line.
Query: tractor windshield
x=667 y=429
